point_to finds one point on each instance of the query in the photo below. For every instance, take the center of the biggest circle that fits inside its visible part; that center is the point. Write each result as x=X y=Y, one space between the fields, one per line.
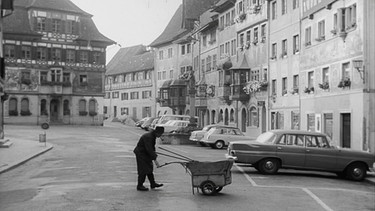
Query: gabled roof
x=172 y=31
x=131 y=59
x=19 y=24
x=60 y=5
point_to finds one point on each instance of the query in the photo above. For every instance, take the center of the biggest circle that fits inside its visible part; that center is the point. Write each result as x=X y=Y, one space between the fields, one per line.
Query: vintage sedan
x=300 y=150
x=197 y=135
x=219 y=137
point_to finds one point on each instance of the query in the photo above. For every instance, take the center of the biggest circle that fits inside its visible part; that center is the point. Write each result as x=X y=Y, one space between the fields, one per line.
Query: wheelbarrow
x=210 y=177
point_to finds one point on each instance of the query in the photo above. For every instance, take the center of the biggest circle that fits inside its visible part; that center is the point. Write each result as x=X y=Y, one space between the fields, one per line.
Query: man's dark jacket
x=145 y=153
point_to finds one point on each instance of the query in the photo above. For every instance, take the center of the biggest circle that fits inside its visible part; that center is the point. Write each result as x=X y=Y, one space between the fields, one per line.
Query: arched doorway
x=213 y=116
x=54 y=110
x=226 y=117
x=243 y=120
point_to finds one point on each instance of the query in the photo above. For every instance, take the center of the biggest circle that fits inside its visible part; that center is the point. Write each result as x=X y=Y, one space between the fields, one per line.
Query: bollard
x=42 y=138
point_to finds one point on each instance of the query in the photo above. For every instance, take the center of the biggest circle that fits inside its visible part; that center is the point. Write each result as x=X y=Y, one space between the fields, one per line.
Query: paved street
x=93 y=168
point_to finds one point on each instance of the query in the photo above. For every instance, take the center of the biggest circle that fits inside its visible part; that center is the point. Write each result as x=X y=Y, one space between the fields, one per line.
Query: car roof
x=298 y=132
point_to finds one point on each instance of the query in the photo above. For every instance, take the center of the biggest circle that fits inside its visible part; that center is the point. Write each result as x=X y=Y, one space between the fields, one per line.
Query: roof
x=60 y=5
x=131 y=59
x=301 y=132
x=242 y=64
x=172 y=31
x=19 y=23
x=179 y=25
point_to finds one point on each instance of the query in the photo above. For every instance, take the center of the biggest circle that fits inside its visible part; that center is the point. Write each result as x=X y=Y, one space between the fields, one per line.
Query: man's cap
x=159 y=129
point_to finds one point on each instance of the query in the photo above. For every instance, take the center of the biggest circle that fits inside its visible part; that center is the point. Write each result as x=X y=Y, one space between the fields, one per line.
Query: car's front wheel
x=268 y=166
x=356 y=171
x=219 y=145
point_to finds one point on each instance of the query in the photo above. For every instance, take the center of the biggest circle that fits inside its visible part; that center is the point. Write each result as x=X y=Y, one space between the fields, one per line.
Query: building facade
x=54 y=64
x=129 y=84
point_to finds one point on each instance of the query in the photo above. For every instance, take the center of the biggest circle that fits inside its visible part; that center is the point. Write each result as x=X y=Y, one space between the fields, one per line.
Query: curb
x=18 y=163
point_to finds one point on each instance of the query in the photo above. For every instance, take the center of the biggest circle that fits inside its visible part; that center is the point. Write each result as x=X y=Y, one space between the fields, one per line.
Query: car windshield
x=267 y=137
x=207 y=128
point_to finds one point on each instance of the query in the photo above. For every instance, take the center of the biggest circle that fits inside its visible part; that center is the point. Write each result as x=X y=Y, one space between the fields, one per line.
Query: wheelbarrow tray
x=217 y=172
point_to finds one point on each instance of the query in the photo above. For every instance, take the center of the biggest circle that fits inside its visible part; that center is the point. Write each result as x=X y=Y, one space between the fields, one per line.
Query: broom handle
x=187 y=158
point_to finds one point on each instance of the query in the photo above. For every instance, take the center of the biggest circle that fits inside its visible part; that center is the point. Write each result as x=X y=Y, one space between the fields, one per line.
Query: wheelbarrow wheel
x=208 y=187
x=45 y=126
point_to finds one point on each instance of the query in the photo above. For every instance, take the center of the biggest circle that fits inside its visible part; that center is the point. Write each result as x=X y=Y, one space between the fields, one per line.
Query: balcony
x=224 y=92
x=237 y=93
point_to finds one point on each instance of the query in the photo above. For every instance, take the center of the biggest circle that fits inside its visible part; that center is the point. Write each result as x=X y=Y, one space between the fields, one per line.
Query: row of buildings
x=257 y=65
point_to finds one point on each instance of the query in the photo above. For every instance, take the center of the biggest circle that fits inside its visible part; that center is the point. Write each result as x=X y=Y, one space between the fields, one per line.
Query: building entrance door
x=54 y=110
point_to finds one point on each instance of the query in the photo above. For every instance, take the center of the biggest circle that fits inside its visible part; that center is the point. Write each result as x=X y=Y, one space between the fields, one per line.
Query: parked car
x=173 y=125
x=219 y=137
x=197 y=135
x=300 y=150
x=165 y=118
x=146 y=124
x=153 y=123
x=140 y=122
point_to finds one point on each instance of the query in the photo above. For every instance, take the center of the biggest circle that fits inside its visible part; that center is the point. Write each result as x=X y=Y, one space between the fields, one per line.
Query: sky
x=129 y=22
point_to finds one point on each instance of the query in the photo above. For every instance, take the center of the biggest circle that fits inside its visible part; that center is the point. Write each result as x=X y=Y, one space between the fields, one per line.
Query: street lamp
x=358 y=64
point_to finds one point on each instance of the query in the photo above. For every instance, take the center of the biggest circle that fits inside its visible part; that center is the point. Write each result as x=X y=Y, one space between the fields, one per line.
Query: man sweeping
x=145 y=154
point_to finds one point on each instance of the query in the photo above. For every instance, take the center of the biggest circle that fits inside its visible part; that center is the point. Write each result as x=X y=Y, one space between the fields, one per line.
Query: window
x=208 y=63
x=310 y=79
x=295 y=44
x=321 y=30
x=171 y=74
x=9 y=51
x=274 y=88
x=285 y=86
x=273 y=10
x=43 y=107
x=70 y=56
x=273 y=51
x=295 y=120
x=56 y=75
x=41 y=54
x=82 y=107
x=242 y=40
x=203 y=65
x=84 y=57
x=69 y=26
x=214 y=61
x=124 y=110
x=347 y=17
x=13 y=110
x=222 y=54
x=308 y=36
x=221 y=23
x=253 y=117
x=248 y=37
x=328 y=124
x=92 y=107
x=227 y=19
x=146 y=94
x=66 y=108
x=115 y=94
x=96 y=57
x=213 y=36
x=284 y=46
x=83 y=80
x=159 y=75
x=188 y=48
x=164 y=75
x=295 y=4
x=183 y=51
x=311 y=122
x=233 y=47
x=283 y=7
x=161 y=56
x=295 y=84
x=335 y=24
x=56 y=54
x=56 y=25
x=25 y=111
x=325 y=74
x=255 y=35
x=134 y=95
x=66 y=77
x=170 y=52
x=263 y=32
x=41 y=24
x=43 y=76
x=148 y=74
x=26 y=52
x=345 y=71
x=124 y=96
x=240 y=7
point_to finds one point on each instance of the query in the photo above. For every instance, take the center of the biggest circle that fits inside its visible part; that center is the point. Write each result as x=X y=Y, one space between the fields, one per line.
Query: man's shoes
x=142 y=188
x=156 y=185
